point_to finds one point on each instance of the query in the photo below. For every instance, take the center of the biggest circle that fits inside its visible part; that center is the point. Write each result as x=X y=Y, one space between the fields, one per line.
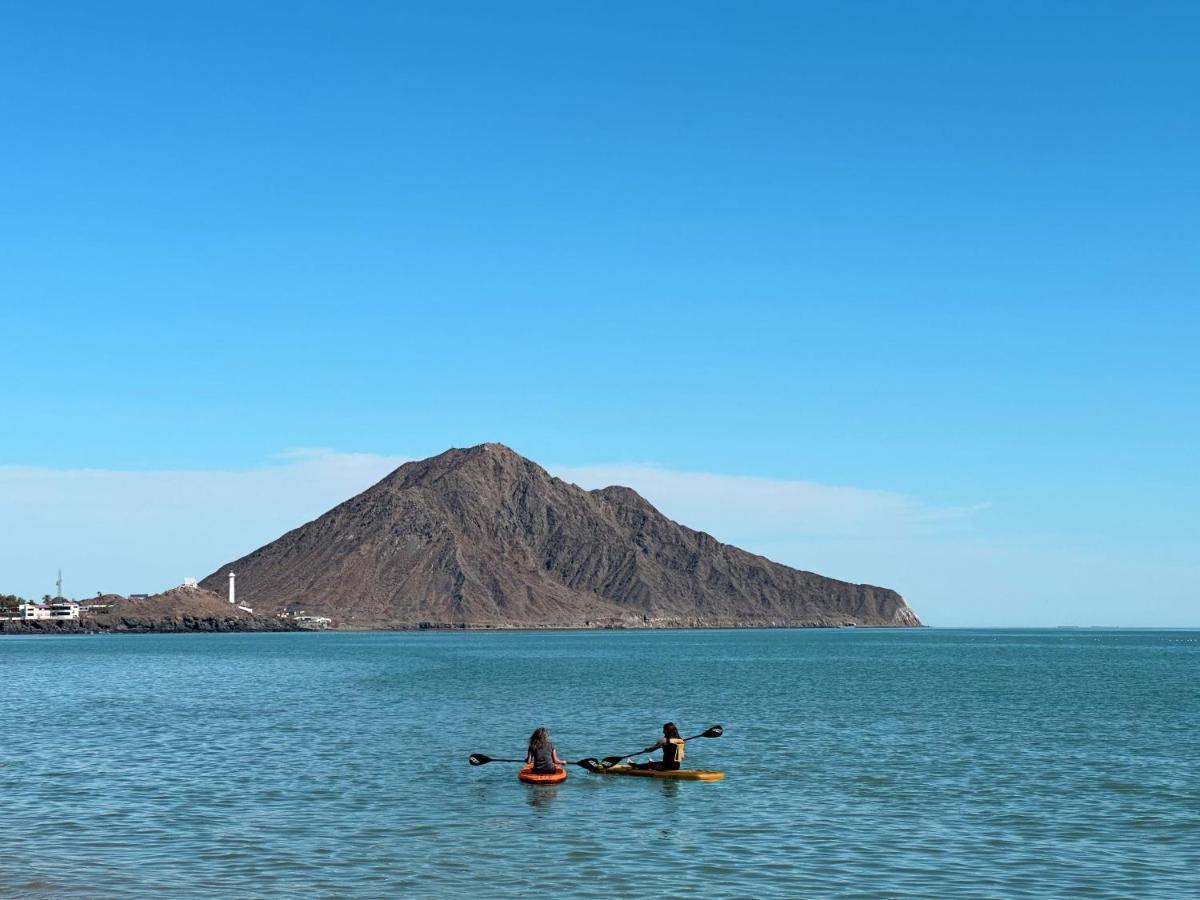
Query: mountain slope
x=484 y=537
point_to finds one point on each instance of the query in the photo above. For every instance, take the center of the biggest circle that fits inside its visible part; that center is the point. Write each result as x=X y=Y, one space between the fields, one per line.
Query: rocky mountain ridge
x=485 y=538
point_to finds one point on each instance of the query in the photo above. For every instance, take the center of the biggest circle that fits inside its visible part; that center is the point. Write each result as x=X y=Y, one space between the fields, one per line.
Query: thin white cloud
x=771 y=508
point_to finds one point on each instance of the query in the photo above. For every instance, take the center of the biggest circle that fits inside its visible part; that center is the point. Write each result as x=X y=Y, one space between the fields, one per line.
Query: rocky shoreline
x=656 y=625
x=234 y=625
x=143 y=626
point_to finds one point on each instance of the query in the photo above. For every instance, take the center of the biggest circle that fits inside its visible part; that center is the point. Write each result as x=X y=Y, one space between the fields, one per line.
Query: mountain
x=483 y=537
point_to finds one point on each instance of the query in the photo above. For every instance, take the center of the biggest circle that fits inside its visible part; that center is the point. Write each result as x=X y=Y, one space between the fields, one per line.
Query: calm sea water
x=860 y=763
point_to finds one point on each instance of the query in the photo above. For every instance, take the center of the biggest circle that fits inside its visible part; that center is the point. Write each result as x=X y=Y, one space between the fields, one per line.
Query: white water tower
x=232 y=589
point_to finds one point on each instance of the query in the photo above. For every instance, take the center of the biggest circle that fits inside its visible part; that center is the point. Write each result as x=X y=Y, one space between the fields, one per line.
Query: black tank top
x=672 y=753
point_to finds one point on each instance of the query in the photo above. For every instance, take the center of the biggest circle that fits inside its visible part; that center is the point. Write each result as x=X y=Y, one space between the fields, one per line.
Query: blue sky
x=939 y=252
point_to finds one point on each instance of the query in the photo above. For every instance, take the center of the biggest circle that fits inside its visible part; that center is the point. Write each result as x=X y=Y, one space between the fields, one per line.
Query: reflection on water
x=670 y=789
x=540 y=796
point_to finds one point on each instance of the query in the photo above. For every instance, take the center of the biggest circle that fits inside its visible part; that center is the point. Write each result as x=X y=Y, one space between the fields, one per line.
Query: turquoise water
x=860 y=763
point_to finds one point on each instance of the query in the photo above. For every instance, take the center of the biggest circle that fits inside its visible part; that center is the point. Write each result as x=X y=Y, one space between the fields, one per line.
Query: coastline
x=234 y=626
x=185 y=626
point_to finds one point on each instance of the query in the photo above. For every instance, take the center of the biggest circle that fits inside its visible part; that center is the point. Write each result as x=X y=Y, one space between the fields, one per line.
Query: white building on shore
x=55 y=609
x=319 y=621
x=63 y=609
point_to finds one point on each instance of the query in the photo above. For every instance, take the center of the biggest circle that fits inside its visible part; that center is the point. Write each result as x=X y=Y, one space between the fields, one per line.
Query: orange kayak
x=527 y=775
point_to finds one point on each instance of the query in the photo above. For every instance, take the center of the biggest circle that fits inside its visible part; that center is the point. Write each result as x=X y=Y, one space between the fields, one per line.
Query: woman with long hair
x=671 y=745
x=542 y=754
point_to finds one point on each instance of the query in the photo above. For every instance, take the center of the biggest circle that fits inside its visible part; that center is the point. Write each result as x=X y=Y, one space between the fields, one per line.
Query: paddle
x=715 y=732
x=480 y=759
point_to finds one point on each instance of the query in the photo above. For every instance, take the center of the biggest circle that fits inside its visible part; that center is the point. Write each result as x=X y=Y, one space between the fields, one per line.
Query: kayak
x=674 y=774
x=528 y=776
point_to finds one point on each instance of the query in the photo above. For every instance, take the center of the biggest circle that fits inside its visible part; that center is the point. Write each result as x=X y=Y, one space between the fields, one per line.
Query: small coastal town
x=185 y=607
x=13 y=608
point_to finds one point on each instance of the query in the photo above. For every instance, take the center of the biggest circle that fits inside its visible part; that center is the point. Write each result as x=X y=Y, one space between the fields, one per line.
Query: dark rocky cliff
x=483 y=537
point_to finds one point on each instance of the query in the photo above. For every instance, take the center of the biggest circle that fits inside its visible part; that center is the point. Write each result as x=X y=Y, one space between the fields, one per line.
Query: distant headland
x=184 y=608
x=484 y=538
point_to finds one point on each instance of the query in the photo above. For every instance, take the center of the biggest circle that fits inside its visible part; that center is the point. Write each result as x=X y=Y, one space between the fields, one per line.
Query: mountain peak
x=489 y=453
x=489 y=461
x=490 y=450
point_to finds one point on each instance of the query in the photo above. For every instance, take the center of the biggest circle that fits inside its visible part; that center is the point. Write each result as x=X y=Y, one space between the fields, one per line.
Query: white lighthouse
x=232 y=588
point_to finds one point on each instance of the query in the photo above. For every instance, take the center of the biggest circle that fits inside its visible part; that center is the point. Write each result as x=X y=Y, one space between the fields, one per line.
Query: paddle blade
x=715 y=731
x=479 y=759
x=590 y=763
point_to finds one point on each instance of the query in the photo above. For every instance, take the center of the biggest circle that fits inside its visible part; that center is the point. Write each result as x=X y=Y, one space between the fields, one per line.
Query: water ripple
x=860 y=764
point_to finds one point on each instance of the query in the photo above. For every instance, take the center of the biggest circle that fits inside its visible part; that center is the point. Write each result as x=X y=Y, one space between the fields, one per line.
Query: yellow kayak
x=676 y=774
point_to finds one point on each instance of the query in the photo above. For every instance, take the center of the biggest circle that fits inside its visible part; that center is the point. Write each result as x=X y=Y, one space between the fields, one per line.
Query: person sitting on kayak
x=671 y=745
x=542 y=754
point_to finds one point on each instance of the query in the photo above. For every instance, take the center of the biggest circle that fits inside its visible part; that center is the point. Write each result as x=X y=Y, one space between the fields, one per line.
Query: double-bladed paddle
x=609 y=761
x=480 y=759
